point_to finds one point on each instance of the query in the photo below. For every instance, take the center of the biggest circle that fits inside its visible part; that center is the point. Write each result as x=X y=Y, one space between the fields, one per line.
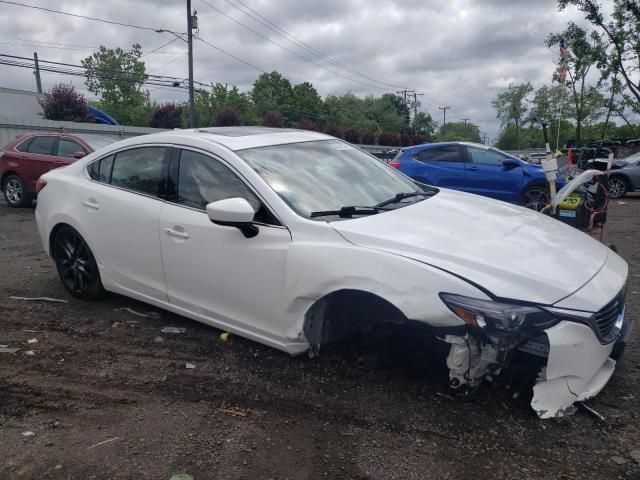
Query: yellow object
x=225 y=337
x=572 y=202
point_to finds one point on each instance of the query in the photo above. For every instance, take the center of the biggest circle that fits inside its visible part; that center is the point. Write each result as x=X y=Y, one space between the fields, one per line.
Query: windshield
x=325 y=175
x=97 y=141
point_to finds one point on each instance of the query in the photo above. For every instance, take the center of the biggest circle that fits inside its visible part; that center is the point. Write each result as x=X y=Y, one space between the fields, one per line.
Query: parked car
x=475 y=168
x=625 y=176
x=30 y=155
x=299 y=240
x=536 y=157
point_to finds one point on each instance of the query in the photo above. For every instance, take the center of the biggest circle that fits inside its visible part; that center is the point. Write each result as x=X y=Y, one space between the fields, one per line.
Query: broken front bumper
x=578 y=366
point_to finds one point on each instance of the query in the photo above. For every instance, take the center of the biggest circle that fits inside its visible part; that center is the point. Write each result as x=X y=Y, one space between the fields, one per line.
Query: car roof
x=234 y=138
x=441 y=144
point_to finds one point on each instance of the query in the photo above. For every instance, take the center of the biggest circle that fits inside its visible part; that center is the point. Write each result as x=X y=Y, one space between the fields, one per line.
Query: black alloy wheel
x=535 y=198
x=76 y=265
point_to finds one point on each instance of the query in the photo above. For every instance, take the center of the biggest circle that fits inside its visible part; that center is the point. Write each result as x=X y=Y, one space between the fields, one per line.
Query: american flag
x=563 y=48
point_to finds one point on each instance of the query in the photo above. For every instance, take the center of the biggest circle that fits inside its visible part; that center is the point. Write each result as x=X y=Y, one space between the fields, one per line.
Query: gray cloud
x=460 y=53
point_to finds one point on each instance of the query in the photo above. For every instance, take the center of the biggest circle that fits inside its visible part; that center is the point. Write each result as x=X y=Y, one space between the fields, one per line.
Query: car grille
x=604 y=321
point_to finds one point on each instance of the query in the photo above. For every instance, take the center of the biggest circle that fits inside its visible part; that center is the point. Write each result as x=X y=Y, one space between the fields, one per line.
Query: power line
x=291 y=38
x=94 y=19
x=230 y=54
x=289 y=50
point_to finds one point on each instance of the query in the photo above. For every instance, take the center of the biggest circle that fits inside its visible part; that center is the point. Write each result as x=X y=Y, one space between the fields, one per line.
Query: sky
x=459 y=53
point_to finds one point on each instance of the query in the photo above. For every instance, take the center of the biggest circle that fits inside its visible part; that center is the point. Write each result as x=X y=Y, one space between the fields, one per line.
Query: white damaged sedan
x=298 y=240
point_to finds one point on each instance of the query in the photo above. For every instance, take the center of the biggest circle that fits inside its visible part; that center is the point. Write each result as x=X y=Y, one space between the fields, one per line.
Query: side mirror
x=79 y=155
x=510 y=163
x=234 y=212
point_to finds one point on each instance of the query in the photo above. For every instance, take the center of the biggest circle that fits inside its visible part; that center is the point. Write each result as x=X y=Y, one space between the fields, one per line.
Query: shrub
x=352 y=135
x=368 y=138
x=307 y=124
x=405 y=140
x=63 y=102
x=334 y=130
x=389 y=139
x=273 y=119
x=418 y=139
x=227 y=117
x=167 y=115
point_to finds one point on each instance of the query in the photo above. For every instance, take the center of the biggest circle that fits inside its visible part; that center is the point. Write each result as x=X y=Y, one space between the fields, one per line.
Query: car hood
x=510 y=251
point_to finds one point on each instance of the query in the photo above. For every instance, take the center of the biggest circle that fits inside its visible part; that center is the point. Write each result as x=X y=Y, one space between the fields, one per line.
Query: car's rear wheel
x=76 y=265
x=535 y=198
x=617 y=187
x=15 y=192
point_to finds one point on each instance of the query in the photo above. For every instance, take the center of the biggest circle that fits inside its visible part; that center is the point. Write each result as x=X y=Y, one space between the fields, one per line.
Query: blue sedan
x=476 y=168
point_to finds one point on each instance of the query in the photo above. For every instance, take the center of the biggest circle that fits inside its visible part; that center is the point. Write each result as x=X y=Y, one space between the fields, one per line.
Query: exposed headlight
x=497 y=317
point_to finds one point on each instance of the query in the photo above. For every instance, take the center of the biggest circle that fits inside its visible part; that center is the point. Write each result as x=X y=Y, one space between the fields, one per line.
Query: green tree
x=458 y=131
x=423 y=124
x=511 y=107
x=271 y=92
x=586 y=52
x=117 y=77
x=221 y=96
x=305 y=100
x=621 y=32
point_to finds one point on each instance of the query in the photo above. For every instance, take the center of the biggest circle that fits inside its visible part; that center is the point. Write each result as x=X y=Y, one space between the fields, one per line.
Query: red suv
x=30 y=155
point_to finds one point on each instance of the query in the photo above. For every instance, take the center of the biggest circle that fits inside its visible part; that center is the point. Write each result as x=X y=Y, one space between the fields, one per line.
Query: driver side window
x=202 y=180
x=485 y=157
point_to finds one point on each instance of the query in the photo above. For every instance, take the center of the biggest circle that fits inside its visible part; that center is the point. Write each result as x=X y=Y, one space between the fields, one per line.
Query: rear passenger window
x=42 y=145
x=100 y=171
x=449 y=153
x=22 y=147
x=139 y=169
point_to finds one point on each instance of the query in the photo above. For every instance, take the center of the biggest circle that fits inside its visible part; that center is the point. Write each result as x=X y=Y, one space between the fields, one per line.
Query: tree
x=167 y=115
x=63 y=102
x=271 y=92
x=587 y=51
x=389 y=139
x=368 y=138
x=272 y=119
x=227 y=117
x=459 y=131
x=511 y=106
x=118 y=76
x=209 y=103
x=307 y=124
x=334 y=130
x=621 y=34
x=423 y=124
x=305 y=100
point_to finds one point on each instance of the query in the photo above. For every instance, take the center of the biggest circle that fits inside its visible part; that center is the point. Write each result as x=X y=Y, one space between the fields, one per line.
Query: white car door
x=121 y=209
x=213 y=270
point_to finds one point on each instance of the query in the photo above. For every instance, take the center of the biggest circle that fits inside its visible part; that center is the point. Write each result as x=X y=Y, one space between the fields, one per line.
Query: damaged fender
x=578 y=367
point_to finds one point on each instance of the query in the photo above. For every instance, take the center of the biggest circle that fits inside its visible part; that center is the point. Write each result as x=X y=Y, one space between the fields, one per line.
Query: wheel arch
x=5 y=175
x=344 y=313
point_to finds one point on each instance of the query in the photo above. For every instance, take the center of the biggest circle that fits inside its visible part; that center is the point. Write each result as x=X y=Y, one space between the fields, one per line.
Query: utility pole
x=444 y=114
x=415 y=103
x=191 y=19
x=484 y=136
x=36 y=72
x=465 y=120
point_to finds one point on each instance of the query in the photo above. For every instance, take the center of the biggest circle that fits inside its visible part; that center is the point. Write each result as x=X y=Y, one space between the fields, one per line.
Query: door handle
x=472 y=168
x=176 y=233
x=91 y=204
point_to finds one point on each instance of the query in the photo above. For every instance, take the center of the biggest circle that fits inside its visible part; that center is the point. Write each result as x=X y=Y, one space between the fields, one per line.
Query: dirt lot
x=107 y=395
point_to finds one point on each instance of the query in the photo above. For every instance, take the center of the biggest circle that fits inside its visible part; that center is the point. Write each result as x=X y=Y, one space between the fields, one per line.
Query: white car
x=298 y=240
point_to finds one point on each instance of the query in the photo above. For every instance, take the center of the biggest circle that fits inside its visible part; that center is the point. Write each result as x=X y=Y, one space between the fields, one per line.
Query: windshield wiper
x=401 y=196
x=348 y=212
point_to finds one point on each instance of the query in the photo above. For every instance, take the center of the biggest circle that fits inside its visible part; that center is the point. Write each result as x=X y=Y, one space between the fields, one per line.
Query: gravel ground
x=105 y=394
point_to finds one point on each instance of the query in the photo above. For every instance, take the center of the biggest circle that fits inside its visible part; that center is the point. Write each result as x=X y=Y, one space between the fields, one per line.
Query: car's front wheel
x=535 y=198
x=15 y=192
x=76 y=265
x=617 y=187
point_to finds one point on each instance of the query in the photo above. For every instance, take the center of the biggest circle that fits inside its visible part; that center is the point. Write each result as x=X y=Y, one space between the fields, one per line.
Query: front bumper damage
x=578 y=364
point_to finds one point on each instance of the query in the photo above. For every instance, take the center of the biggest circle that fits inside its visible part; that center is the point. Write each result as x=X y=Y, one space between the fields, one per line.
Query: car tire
x=535 y=198
x=617 y=186
x=76 y=264
x=15 y=192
